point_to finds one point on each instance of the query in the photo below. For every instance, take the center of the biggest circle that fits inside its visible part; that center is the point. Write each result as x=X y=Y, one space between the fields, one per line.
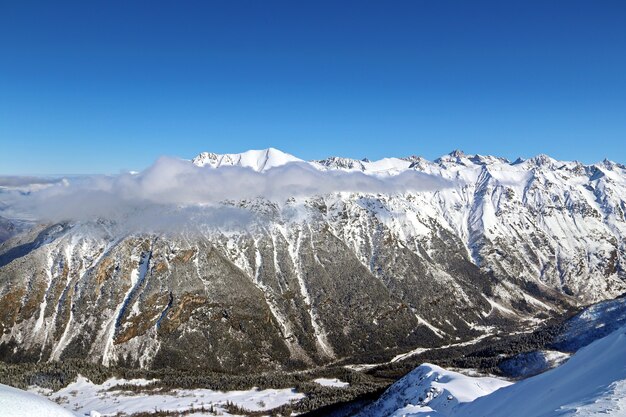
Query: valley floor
x=110 y=399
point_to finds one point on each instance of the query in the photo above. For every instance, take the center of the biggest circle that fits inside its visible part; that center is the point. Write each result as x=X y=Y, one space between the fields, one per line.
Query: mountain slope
x=430 y=390
x=18 y=403
x=321 y=277
x=591 y=382
x=258 y=160
x=592 y=323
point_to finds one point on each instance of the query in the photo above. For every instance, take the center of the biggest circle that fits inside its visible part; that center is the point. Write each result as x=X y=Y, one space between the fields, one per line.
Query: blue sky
x=96 y=87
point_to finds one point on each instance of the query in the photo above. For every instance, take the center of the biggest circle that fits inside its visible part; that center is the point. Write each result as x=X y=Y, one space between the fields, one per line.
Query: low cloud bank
x=10 y=181
x=174 y=192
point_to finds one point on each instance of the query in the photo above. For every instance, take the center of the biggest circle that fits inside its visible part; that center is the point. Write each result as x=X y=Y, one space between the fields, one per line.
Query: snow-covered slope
x=318 y=276
x=109 y=399
x=385 y=166
x=558 y=223
x=18 y=403
x=431 y=390
x=592 y=323
x=592 y=382
x=258 y=160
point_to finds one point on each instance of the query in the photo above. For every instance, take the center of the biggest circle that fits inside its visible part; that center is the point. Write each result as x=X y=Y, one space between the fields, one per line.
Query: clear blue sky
x=95 y=87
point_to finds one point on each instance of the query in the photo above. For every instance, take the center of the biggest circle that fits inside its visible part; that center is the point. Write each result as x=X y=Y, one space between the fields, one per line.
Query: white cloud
x=174 y=191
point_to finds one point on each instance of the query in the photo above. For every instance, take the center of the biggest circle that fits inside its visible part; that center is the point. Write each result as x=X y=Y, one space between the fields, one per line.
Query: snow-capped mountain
x=320 y=276
x=385 y=166
x=568 y=218
x=258 y=160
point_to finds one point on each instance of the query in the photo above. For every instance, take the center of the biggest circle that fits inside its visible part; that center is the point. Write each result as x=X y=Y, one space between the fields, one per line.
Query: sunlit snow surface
x=592 y=382
x=84 y=397
x=258 y=160
x=18 y=403
x=429 y=389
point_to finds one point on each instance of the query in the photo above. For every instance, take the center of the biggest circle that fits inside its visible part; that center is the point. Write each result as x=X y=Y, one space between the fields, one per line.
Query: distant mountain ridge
x=264 y=159
x=258 y=160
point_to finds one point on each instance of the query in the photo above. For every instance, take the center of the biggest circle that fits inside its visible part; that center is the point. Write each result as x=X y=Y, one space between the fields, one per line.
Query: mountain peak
x=542 y=160
x=258 y=160
x=337 y=162
x=457 y=156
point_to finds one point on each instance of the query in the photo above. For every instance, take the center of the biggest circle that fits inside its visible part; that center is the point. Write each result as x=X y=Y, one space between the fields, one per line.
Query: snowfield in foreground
x=18 y=403
x=431 y=390
x=84 y=398
x=592 y=382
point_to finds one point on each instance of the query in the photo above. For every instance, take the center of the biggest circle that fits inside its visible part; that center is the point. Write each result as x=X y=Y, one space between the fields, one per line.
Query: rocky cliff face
x=323 y=278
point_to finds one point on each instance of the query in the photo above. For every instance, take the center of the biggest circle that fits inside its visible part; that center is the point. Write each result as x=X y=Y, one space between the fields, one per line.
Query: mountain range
x=344 y=275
